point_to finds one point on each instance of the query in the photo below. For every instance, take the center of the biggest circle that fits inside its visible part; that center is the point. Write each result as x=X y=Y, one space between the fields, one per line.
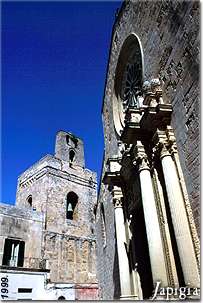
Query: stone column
x=195 y=238
x=156 y=249
x=124 y=272
x=179 y=217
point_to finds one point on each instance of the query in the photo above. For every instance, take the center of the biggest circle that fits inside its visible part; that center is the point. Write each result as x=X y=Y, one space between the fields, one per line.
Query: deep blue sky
x=54 y=61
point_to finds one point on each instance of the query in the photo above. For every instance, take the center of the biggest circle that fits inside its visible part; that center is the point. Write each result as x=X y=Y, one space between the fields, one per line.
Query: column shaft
x=155 y=244
x=180 y=223
x=125 y=282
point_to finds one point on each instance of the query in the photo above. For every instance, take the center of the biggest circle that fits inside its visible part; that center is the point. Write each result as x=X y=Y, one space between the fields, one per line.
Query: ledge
x=4 y=267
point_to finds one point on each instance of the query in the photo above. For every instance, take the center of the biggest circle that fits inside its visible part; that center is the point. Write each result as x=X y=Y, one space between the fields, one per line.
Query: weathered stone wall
x=34 y=182
x=169 y=34
x=59 y=185
x=107 y=263
x=25 y=225
x=70 y=258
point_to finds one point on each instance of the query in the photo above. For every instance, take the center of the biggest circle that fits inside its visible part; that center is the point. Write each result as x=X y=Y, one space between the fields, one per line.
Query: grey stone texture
x=23 y=224
x=170 y=38
x=68 y=245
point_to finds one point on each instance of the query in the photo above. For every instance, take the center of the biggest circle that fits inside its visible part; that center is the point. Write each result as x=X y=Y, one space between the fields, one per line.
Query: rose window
x=132 y=85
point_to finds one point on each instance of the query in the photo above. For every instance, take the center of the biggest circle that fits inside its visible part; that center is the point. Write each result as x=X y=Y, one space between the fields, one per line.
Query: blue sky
x=54 y=62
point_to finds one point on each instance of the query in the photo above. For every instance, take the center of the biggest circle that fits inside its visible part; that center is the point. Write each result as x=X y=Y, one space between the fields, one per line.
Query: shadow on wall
x=116 y=279
x=141 y=258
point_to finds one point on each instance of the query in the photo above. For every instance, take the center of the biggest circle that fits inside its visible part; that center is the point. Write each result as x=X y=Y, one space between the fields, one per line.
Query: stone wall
x=70 y=258
x=169 y=34
x=25 y=225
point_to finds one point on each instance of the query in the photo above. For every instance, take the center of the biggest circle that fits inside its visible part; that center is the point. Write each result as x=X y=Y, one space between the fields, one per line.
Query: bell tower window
x=71 y=157
x=29 y=200
x=67 y=139
x=72 y=200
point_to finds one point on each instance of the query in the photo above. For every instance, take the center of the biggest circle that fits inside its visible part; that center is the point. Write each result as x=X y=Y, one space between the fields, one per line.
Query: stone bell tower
x=70 y=149
x=64 y=191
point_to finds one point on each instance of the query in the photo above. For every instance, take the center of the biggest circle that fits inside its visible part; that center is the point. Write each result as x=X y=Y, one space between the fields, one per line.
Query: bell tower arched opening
x=71 y=203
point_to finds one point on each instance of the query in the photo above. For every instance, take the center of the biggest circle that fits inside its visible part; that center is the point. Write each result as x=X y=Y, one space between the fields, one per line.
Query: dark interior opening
x=61 y=298
x=72 y=200
x=67 y=139
x=13 y=253
x=29 y=200
x=103 y=224
x=140 y=252
x=71 y=157
x=24 y=290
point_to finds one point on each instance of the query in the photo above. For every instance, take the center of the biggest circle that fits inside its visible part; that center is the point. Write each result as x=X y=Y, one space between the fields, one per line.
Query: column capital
x=161 y=148
x=117 y=202
x=161 y=143
x=140 y=157
x=171 y=139
x=165 y=142
x=173 y=148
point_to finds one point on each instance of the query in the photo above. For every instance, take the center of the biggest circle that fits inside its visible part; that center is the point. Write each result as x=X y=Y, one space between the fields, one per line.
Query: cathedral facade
x=148 y=210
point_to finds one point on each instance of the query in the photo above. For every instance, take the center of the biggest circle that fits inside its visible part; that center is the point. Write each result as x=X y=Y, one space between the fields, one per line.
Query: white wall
x=12 y=280
x=16 y=279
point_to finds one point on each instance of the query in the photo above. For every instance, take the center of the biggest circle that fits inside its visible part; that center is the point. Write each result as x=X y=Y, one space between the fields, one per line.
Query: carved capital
x=140 y=157
x=171 y=140
x=170 y=134
x=117 y=203
x=162 y=149
x=173 y=148
x=162 y=146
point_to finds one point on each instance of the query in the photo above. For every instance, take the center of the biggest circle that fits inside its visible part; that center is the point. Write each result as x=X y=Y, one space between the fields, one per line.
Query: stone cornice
x=48 y=170
x=112 y=175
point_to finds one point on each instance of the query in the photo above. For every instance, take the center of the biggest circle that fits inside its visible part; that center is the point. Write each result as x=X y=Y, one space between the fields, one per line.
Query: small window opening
x=67 y=139
x=29 y=200
x=71 y=157
x=24 y=290
x=103 y=225
x=72 y=200
x=13 y=253
x=76 y=143
x=90 y=181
